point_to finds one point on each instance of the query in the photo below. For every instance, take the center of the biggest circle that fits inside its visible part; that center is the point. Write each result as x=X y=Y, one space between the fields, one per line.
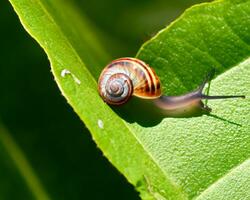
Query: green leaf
x=170 y=158
x=210 y=35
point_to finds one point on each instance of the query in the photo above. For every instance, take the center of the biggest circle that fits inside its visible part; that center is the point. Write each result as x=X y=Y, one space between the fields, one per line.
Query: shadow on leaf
x=145 y=113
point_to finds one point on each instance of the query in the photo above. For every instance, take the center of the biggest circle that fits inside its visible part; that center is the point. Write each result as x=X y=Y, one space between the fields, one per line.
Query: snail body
x=126 y=77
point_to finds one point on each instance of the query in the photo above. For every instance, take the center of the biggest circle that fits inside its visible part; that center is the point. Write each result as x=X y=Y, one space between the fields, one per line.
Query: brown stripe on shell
x=156 y=82
x=149 y=83
x=145 y=85
x=155 y=85
x=151 y=74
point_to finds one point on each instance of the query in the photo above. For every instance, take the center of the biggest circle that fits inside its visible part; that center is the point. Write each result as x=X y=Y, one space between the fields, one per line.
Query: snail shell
x=125 y=77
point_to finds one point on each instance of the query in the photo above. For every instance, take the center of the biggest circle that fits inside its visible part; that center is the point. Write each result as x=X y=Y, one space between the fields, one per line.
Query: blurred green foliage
x=53 y=139
x=124 y=25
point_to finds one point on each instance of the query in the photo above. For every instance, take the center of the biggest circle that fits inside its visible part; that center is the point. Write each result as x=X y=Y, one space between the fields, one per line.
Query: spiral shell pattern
x=125 y=77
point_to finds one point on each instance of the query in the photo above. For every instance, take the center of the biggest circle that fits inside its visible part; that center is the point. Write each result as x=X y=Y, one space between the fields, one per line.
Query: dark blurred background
x=50 y=135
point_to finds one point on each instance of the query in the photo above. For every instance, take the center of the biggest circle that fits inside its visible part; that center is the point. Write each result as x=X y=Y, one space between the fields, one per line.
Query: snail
x=126 y=77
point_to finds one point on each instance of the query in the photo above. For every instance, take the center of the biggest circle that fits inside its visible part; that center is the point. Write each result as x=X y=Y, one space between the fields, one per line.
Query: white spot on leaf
x=100 y=124
x=64 y=72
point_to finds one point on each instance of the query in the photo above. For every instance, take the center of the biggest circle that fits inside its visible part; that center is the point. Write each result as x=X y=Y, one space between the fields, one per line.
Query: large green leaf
x=168 y=158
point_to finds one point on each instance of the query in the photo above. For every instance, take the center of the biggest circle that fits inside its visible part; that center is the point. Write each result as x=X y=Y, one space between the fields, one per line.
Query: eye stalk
x=207 y=80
